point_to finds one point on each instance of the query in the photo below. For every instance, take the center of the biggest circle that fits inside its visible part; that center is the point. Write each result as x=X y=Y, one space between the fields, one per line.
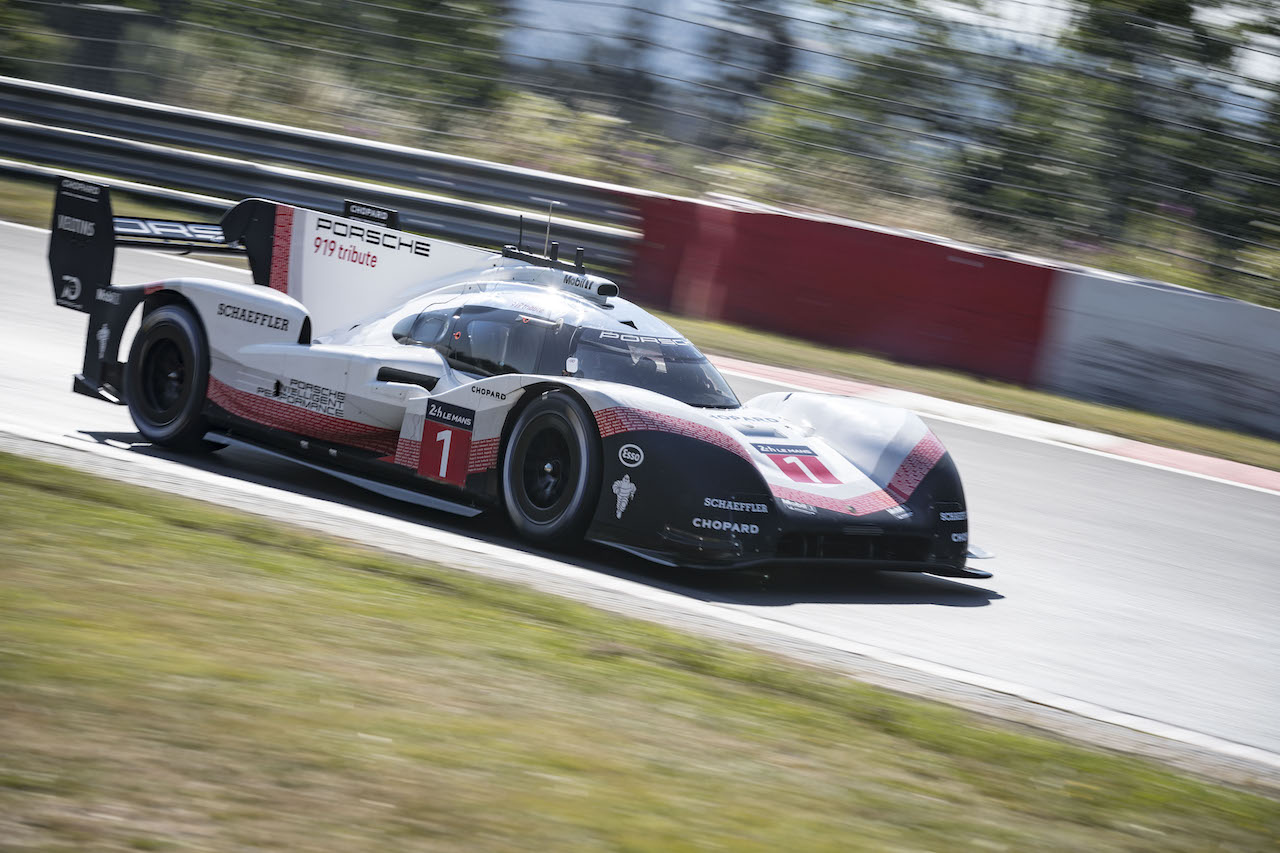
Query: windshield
x=670 y=366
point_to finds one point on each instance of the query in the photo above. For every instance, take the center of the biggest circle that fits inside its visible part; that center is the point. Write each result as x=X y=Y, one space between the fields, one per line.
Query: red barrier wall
x=907 y=298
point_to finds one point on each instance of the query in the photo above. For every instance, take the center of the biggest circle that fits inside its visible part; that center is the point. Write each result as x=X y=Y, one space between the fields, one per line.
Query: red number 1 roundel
x=799 y=463
x=446 y=443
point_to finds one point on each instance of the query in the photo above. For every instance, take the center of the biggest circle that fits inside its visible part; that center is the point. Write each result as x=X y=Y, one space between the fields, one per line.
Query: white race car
x=471 y=380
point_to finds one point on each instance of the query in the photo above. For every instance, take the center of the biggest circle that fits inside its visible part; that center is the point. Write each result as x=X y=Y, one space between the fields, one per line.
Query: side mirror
x=403 y=329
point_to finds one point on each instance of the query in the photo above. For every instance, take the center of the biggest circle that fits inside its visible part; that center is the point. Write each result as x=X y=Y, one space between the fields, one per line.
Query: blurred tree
x=1148 y=132
x=415 y=59
x=23 y=38
x=748 y=57
x=627 y=71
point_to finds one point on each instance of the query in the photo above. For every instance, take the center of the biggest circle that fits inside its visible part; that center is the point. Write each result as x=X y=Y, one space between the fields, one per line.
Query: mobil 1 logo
x=446 y=442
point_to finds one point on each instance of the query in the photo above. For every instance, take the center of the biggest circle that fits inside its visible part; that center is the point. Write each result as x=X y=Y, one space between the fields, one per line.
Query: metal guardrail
x=460 y=177
x=214 y=204
x=133 y=156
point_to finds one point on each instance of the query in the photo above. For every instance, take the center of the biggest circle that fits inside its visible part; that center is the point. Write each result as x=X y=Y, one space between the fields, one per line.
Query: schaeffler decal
x=734 y=506
x=624 y=490
x=798 y=462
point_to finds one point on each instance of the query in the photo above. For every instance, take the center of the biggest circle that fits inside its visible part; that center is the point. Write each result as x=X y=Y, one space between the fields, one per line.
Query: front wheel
x=166 y=378
x=551 y=470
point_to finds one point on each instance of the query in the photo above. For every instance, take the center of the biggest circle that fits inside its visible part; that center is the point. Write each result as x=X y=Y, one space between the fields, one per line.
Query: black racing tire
x=551 y=469
x=167 y=377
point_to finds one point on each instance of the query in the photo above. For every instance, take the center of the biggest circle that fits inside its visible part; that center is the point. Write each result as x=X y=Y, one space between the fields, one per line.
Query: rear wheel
x=551 y=470
x=166 y=378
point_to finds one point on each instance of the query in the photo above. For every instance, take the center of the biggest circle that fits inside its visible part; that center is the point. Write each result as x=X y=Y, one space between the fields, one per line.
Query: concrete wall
x=1163 y=349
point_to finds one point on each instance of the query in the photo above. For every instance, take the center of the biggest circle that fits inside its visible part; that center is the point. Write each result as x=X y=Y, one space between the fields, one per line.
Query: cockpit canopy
x=487 y=341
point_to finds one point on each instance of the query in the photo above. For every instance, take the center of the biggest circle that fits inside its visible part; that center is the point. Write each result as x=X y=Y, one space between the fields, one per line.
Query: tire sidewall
x=186 y=426
x=549 y=410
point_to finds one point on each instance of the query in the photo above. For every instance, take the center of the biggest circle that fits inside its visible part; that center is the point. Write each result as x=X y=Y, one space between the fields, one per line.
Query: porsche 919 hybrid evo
x=473 y=381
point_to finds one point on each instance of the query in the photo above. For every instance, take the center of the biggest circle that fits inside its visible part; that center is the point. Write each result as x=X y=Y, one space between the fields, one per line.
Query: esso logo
x=630 y=455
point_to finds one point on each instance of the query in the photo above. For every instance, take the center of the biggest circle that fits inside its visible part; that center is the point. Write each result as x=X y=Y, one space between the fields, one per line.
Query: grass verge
x=177 y=675
x=31 y=202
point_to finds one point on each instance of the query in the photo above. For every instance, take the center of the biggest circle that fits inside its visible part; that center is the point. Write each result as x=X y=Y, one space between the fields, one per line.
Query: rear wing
x=343 y=268
x=84 y=234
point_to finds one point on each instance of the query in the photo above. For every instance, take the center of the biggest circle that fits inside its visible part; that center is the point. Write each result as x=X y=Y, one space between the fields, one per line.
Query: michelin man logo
x=625 y=490
x=103 y=335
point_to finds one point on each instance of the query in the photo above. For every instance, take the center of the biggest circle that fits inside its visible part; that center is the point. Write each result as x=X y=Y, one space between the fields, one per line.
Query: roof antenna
x=520 y=241
x=546 y=243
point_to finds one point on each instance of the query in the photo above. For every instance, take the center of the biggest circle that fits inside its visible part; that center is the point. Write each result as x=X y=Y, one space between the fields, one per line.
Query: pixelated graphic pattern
x=484 y=455
x=861 y=505
x=912 y=471
x=408 y=451
x=618 y=419
x=273 y=413
x=281 y=245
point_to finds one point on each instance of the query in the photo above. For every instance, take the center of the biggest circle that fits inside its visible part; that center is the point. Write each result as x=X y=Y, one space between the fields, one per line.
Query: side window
x=491 y=341
x=425 y=329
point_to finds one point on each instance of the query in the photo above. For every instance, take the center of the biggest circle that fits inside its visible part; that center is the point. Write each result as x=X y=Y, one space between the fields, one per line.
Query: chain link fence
x=1139 y=137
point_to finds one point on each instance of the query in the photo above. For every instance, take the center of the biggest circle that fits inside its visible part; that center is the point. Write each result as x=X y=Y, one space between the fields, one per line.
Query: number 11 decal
x=799 y=463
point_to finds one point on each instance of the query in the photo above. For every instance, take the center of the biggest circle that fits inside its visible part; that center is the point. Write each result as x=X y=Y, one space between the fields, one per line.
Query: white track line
x=316 y=509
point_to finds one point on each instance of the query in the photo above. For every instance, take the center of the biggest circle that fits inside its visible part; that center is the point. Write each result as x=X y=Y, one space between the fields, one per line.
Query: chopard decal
x=80 y=186
x=729 y=526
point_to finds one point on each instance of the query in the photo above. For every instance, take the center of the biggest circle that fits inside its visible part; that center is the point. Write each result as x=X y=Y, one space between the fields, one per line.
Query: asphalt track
x=1130 y=589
